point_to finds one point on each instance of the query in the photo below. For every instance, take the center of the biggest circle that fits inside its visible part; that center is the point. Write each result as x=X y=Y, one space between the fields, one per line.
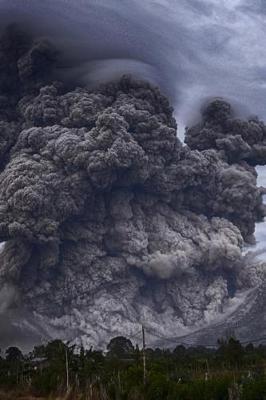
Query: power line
x=139 y=333
x=176 y=341
x=185 y=343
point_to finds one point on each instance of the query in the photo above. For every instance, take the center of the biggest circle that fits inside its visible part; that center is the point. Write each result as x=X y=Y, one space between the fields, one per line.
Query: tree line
x=229 y=372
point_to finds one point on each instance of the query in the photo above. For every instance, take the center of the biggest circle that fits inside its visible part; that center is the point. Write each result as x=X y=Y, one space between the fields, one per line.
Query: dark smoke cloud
x=107 y=217
x=192 y=49
x=235 y=139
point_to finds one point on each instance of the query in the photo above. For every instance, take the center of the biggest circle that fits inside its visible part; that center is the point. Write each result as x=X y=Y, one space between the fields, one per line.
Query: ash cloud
x=192 y=49
x=8 y=296
x=106 y=215
x=235 y=139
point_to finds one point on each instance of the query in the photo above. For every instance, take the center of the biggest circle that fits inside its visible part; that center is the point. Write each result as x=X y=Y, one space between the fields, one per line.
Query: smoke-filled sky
x=192 y=48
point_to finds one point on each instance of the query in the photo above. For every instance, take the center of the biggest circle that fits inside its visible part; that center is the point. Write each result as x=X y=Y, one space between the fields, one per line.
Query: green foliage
x=46 y=382
x=231 y=351
x=255 y=389
x=158 y=387
x=120 y=347
x=201 y=390
x=13 y=354
x=182 y=374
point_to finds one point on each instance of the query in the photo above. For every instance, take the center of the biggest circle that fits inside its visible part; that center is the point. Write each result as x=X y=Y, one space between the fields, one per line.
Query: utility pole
x=144 y=355
x=67 y=370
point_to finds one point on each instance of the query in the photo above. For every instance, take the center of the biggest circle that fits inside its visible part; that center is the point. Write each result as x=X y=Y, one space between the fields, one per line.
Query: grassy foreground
x=59 y=371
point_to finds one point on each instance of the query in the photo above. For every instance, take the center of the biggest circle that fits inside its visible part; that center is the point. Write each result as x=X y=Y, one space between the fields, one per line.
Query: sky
x=194 y=49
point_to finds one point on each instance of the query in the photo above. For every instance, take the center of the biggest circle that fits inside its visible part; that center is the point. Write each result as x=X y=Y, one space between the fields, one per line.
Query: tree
x=180 y=351
x=231 y=350
x=14 y=358
x=55 y=350
x=120 y=347
x=13 y=354
x=249 y=348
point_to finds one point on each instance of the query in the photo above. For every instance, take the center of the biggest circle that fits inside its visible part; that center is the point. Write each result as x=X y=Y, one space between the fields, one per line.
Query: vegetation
x=59 y=370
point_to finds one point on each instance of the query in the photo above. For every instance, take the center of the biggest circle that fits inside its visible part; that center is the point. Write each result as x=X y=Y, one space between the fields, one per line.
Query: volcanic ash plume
x=108 y=219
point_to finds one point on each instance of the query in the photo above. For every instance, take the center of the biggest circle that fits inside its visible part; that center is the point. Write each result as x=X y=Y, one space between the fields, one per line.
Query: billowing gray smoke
x=235 y=139
x=109 y=220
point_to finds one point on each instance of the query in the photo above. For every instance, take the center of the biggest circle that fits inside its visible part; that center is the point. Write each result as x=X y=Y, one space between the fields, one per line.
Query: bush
x=255 y=390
